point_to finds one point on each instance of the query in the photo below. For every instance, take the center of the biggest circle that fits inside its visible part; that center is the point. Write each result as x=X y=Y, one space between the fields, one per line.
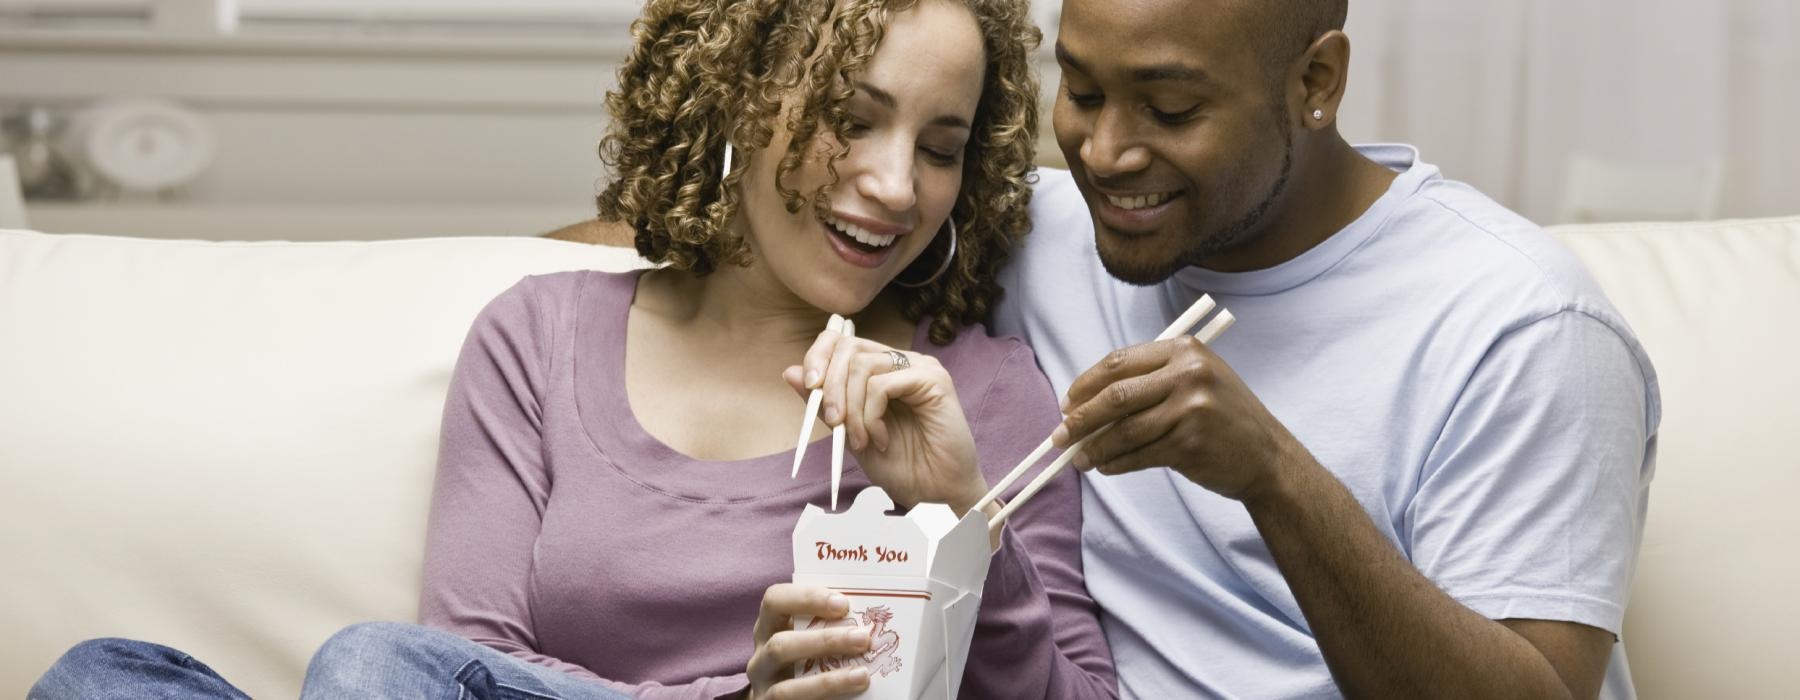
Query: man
x=1418 y=464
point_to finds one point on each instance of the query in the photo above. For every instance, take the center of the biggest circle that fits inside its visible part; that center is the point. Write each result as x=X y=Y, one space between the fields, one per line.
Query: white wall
x=377 y=135
x=1511 y=96
x=356 y=136
x=350 y=124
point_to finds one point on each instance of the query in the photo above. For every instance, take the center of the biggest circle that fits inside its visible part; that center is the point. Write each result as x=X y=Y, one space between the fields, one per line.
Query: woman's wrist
x=992 y=511
x=961 y=506
x=963 y=499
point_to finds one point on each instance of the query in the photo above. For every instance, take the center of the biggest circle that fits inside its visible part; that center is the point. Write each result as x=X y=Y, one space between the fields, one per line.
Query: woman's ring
x=900 y=361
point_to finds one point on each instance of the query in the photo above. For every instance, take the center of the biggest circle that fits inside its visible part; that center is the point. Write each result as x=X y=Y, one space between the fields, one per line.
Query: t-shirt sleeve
x=1531 y=503
x=1038 y=633
x=491 y=489
x=1053 y=255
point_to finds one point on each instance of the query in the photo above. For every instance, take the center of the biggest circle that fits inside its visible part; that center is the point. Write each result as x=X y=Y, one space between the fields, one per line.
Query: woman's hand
x=902 y=418
x=828 y=640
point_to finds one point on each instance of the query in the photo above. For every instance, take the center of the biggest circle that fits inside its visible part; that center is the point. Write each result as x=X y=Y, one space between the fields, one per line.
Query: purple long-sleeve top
x=564 y=534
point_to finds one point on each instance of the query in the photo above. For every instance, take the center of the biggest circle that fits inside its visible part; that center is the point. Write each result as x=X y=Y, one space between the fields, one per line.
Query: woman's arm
x=491 y=490
x=1038 y=634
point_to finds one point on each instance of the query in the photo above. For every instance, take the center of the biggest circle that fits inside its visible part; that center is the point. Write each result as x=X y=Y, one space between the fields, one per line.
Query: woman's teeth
x=861 y=235
x=1140 y=202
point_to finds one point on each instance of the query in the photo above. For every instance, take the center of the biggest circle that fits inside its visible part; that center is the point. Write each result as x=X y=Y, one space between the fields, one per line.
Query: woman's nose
x=886 y=174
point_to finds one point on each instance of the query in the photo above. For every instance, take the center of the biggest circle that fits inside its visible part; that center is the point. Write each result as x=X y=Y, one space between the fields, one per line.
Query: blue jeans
x=368 y=660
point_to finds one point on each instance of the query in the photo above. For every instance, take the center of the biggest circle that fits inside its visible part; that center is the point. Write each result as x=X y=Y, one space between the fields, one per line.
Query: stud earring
x=1318 y=115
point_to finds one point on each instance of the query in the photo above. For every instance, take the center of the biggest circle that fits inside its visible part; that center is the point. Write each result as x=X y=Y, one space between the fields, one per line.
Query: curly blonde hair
x=704 y=71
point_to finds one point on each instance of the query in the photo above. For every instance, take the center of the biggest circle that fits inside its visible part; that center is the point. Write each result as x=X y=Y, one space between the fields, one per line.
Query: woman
x=612 y=512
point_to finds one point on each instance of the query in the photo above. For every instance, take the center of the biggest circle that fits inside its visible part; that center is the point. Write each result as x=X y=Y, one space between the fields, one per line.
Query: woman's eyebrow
x=886 y=99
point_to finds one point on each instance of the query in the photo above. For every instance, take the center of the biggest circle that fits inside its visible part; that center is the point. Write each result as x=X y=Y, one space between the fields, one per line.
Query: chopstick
x=812 y=407
x=1198 y=310
x=1207 y=335
x=837 y=437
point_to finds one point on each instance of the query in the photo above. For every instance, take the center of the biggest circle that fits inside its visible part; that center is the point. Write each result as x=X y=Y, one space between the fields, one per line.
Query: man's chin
x=1137 y=260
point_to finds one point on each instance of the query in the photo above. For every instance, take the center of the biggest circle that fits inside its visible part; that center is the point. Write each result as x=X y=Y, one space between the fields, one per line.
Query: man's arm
x=1527 y=508
x=596 y=232
x=1386 y=630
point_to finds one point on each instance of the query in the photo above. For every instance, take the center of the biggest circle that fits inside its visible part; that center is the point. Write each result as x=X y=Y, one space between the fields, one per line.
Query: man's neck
x=1328 y=189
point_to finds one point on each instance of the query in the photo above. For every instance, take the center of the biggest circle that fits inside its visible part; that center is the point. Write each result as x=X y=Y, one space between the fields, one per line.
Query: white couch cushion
x=1717 y=305
x=227 y=447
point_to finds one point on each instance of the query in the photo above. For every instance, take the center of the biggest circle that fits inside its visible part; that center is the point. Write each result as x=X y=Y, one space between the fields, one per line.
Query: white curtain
x=1505 y=94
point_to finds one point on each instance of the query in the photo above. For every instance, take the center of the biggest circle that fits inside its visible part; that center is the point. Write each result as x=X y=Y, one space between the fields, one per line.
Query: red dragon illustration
x=883 y=656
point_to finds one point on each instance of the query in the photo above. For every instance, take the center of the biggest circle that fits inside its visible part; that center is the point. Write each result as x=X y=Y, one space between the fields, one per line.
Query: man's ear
x=1318 y=78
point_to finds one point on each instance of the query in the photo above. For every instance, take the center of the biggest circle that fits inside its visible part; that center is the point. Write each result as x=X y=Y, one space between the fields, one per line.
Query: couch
x=227 y=447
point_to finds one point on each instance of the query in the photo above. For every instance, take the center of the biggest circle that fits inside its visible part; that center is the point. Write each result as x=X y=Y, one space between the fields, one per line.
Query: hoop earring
x=942 y=267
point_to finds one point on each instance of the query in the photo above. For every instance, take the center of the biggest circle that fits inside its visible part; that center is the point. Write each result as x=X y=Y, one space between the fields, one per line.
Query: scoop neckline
x=607 y=416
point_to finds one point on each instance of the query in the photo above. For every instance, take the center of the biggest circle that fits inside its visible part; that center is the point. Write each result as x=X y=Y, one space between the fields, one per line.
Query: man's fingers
x=1129 y=395
x=1130 y=434
x=1172 y=448
x=1119 y=364
x=785 y=600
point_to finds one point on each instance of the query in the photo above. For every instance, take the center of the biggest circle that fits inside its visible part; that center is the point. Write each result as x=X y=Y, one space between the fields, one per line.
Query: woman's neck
x=748 y=309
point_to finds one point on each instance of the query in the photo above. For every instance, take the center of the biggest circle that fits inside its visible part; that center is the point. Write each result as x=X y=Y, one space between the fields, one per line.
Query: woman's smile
x=861 y=242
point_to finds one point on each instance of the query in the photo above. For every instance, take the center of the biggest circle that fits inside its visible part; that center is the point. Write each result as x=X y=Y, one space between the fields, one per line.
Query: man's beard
x=1235 y=234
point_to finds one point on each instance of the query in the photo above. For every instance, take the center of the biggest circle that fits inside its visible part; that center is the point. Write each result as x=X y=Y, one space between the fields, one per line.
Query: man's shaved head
x=1281 y=30
x=1201 y=108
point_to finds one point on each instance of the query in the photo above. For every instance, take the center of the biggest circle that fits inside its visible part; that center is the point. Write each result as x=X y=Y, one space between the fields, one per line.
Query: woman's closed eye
x=941 y=156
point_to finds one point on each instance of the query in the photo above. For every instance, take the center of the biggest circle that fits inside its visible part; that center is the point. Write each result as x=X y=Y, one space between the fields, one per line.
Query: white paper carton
x=915 y=579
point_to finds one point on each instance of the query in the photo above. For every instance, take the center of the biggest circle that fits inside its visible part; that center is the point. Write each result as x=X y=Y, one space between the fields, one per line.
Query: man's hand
x=1178 y=405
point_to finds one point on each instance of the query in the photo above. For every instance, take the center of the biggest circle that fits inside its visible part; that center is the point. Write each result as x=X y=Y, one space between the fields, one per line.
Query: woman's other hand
x=827 y=641
x=901 y=416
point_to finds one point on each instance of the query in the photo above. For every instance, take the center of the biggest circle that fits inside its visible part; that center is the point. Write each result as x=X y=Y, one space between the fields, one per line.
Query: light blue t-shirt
x=1448 y=360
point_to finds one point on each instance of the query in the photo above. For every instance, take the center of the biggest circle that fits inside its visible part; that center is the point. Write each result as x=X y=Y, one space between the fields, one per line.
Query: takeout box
x=915 y=579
